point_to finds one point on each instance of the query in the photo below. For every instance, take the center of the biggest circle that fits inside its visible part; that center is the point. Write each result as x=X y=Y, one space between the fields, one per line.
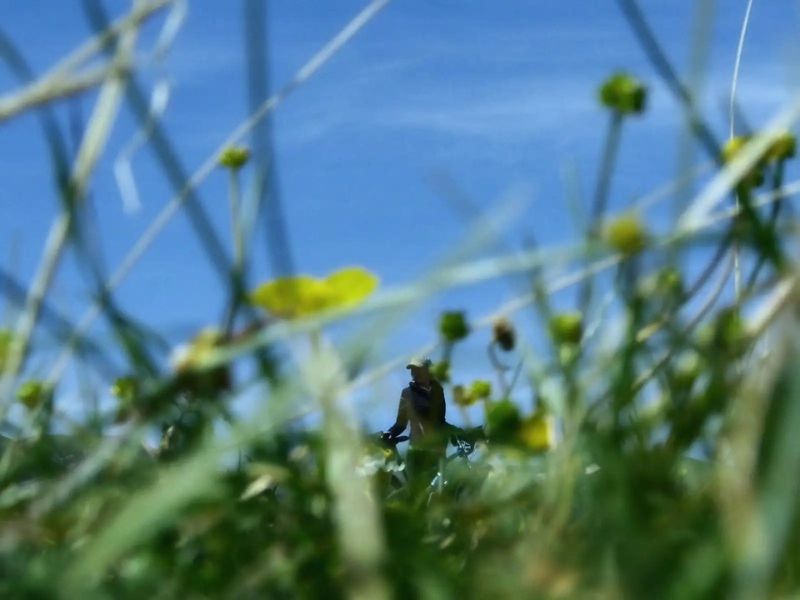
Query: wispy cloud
x=496 y=85
x=502 y=109
x=514 y=109
x=509 y=110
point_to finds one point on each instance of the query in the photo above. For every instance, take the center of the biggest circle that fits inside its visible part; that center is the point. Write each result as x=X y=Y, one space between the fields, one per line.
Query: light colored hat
x=419 y=362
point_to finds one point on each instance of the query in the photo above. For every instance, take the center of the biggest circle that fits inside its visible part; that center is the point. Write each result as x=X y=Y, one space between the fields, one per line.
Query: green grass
x=660 y=459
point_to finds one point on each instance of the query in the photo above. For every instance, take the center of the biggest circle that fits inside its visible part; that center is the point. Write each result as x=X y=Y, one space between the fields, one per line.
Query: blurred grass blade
x=316 y=62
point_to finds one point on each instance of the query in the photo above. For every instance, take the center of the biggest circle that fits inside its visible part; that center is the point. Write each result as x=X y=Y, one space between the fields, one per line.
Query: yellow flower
x=350 y=286
x=537 y=432
x=187 y=356
x=302 y=295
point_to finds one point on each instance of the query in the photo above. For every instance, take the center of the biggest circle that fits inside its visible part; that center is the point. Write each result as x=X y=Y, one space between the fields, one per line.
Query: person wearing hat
x=422 y=406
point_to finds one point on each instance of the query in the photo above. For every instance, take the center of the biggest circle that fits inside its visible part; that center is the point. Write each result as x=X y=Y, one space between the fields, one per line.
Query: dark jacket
x=424 y=410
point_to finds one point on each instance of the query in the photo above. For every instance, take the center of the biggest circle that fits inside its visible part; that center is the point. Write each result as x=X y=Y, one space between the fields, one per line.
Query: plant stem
x=600 y=203
x=777 y=184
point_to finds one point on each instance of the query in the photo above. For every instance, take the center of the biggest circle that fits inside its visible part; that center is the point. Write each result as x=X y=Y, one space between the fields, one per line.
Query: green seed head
x=670 y=282
x=33 y=393
x=453 y=326
x=480 y=390
x=234 y=157
x=441 y=371
x=666 y=284
x=566 y=328
x=731 y=330
x=624 y=94
x=568 y=354
x=125 y=389
x=688 y=368
x=461 y=397
x=626 y=234
x=503 y=421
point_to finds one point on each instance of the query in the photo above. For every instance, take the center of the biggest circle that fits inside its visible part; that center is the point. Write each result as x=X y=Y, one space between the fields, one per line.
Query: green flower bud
x=480 y=390
x=234 y=157
x=624 y=94
x=670 y=282
x=503 y=421
x=725 y=336
x=566 y=328
x=687 y=370
x=666 y=285
x=626 y=234
x=730 y=330
x=441 y=371
x=125 y=389
x=34 y=393
x=453 y=326
x=568 y=354
x=461 y=397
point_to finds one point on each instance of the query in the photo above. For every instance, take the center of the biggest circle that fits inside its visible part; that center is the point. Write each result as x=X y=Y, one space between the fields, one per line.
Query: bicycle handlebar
x=393 y=440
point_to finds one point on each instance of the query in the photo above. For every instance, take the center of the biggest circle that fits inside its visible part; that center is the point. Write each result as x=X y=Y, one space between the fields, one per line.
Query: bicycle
x=464 y=442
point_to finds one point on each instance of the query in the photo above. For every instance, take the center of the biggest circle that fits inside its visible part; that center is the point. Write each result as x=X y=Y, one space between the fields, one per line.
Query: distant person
x=422 y=406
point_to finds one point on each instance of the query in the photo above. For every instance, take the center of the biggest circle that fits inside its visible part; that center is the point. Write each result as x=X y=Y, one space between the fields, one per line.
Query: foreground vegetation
x=657 y=459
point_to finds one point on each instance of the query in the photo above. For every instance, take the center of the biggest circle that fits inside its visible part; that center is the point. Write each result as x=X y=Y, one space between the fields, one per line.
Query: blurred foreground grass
x=660 y=459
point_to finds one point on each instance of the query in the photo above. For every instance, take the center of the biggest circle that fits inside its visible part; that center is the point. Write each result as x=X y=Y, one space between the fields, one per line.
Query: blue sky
x=498 y=96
